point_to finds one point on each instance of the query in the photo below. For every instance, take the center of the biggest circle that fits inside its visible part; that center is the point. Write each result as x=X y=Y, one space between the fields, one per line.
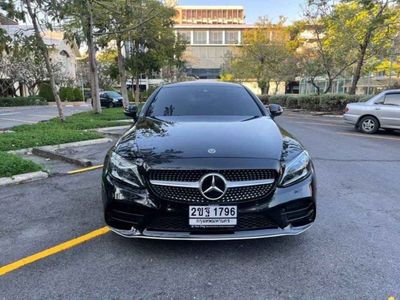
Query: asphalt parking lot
x=13 y=116
x=351 y=252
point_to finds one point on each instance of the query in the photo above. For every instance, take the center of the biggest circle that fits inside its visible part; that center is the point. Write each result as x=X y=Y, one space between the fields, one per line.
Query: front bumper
x=351 y=119
x=239 y=235
x=285 y=212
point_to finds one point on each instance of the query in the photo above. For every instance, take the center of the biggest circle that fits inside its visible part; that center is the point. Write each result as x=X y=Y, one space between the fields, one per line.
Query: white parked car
x=381 y=111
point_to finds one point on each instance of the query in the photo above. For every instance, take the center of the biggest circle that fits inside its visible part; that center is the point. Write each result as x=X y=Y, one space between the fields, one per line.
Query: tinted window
x=203 y=100
x=113 y=94
x=392 y=99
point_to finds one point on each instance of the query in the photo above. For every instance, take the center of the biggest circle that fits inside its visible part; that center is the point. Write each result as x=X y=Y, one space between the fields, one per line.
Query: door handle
x=377 y=108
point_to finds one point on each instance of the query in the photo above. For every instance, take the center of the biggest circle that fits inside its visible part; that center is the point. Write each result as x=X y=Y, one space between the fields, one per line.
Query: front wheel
x=368 y=125
x=110 y=105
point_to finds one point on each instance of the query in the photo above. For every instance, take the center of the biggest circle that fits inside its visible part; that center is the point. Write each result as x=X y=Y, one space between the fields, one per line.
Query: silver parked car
x=381 y=111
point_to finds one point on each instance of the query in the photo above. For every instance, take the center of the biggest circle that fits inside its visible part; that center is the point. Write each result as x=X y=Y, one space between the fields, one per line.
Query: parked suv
x=206 y=161
x=381 y=111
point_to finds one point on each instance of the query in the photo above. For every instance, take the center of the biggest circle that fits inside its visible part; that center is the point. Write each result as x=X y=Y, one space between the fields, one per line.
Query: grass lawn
x=12 y=165
x=55 y=132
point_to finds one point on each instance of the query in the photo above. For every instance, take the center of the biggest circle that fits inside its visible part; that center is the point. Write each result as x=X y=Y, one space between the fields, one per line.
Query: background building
x=211 y=32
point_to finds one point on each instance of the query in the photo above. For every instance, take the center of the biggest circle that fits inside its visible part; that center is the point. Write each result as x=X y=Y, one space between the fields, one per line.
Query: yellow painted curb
x=84 y=170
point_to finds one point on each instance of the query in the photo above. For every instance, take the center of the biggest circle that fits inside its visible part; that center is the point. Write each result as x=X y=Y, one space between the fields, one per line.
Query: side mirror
x=131 y=111
x=275 y=110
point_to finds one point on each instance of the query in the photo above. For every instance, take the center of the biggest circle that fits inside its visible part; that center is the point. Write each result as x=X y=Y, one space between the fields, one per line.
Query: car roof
x=392 y=91
x=202 y=83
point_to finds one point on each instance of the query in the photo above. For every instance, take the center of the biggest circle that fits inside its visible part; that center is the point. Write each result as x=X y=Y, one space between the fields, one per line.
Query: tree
x=154 y=44
x=80 y=18
x=263 y=55
x=350 y=33
x=108 y=68
x=32 y=9
x=368 y=26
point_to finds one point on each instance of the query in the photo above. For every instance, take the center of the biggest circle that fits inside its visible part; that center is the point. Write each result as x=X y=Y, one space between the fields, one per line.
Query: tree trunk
x=122 y=74
x=45 y=53
x=357 y=74
x=137 y=91
x=132 y=87
x=276 y=87
x=360 y=63
x=329 y=85
x=263 y=86
x=92 y=61
x=316 y=86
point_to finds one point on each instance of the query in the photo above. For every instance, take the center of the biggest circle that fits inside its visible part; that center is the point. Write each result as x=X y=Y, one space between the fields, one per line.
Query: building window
x=199 y=37
x=216 y=37
x=185 y=35
x=232 y=37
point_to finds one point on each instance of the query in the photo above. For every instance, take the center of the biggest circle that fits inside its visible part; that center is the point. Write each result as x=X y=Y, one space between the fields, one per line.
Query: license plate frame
x=213 y=216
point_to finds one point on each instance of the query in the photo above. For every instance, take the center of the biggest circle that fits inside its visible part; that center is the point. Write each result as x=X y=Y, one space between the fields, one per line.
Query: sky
x=258 y=8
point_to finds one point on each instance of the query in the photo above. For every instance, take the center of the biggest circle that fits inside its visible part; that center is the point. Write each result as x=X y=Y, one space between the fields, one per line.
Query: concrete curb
x=107 y=129
x=62 y=146
x=23 y=178
x=333 y=116
x=54 y=155
x=71 y=104
x=76 y=144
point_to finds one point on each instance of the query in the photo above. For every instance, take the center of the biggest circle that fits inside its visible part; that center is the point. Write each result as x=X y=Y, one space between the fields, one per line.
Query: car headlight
x=296 y=169
x=125 y=170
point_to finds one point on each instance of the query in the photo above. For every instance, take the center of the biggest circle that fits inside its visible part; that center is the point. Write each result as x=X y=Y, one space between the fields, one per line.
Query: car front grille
x=195 y=175
x=180 y=223
x=193 y=195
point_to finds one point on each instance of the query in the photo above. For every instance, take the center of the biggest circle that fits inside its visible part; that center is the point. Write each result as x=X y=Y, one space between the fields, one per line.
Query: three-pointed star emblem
x=213 y=186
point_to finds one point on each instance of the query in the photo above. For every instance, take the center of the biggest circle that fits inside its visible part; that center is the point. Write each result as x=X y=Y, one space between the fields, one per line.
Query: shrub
x=22 y=101
x=46 y=92
x=308 y=102
x=291 y=102
x=70 y=94
x=78 y=94
x=337 y=102
x=264 y=99
x=278 y=99
x=327 y=102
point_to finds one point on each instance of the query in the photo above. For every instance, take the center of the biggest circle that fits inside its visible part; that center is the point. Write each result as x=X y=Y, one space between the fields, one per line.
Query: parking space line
x=53 y=250
x=370 y=136
x=8 y=114
x=42 y=116
x=17 y=120
x=84 y=170
x=322 y=124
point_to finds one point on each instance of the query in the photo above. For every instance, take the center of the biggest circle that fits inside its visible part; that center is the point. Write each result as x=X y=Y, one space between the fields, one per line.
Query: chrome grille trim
x=196 y=184
x=185 y=186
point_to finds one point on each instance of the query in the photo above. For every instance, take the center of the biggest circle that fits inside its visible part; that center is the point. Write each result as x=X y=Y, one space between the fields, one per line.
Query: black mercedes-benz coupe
x=206 y=161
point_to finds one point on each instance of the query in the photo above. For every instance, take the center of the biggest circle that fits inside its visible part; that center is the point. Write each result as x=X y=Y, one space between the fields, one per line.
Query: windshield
x=113 y=94
x=203 y=100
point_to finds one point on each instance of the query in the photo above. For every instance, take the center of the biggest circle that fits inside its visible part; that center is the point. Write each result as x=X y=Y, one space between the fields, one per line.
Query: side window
x=392 y=99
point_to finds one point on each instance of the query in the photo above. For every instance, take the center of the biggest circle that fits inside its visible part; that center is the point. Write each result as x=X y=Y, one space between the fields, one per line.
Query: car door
x=389 y=110
x=104 y=99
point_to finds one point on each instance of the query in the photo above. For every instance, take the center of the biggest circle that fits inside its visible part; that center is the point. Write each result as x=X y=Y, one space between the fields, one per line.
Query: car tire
x=110 y=105
x=368 y=125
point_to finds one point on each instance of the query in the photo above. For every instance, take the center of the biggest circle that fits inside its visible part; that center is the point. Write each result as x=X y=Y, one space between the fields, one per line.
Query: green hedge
x=66 y=93
x=326 y=102
x=22 y=101
x=45 y=92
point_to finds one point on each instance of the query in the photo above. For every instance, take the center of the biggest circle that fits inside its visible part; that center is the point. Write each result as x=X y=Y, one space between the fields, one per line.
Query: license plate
x=212 y=216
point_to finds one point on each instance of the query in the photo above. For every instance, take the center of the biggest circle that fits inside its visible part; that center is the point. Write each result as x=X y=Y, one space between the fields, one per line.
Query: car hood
x=358 y=104
x=203 y=137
